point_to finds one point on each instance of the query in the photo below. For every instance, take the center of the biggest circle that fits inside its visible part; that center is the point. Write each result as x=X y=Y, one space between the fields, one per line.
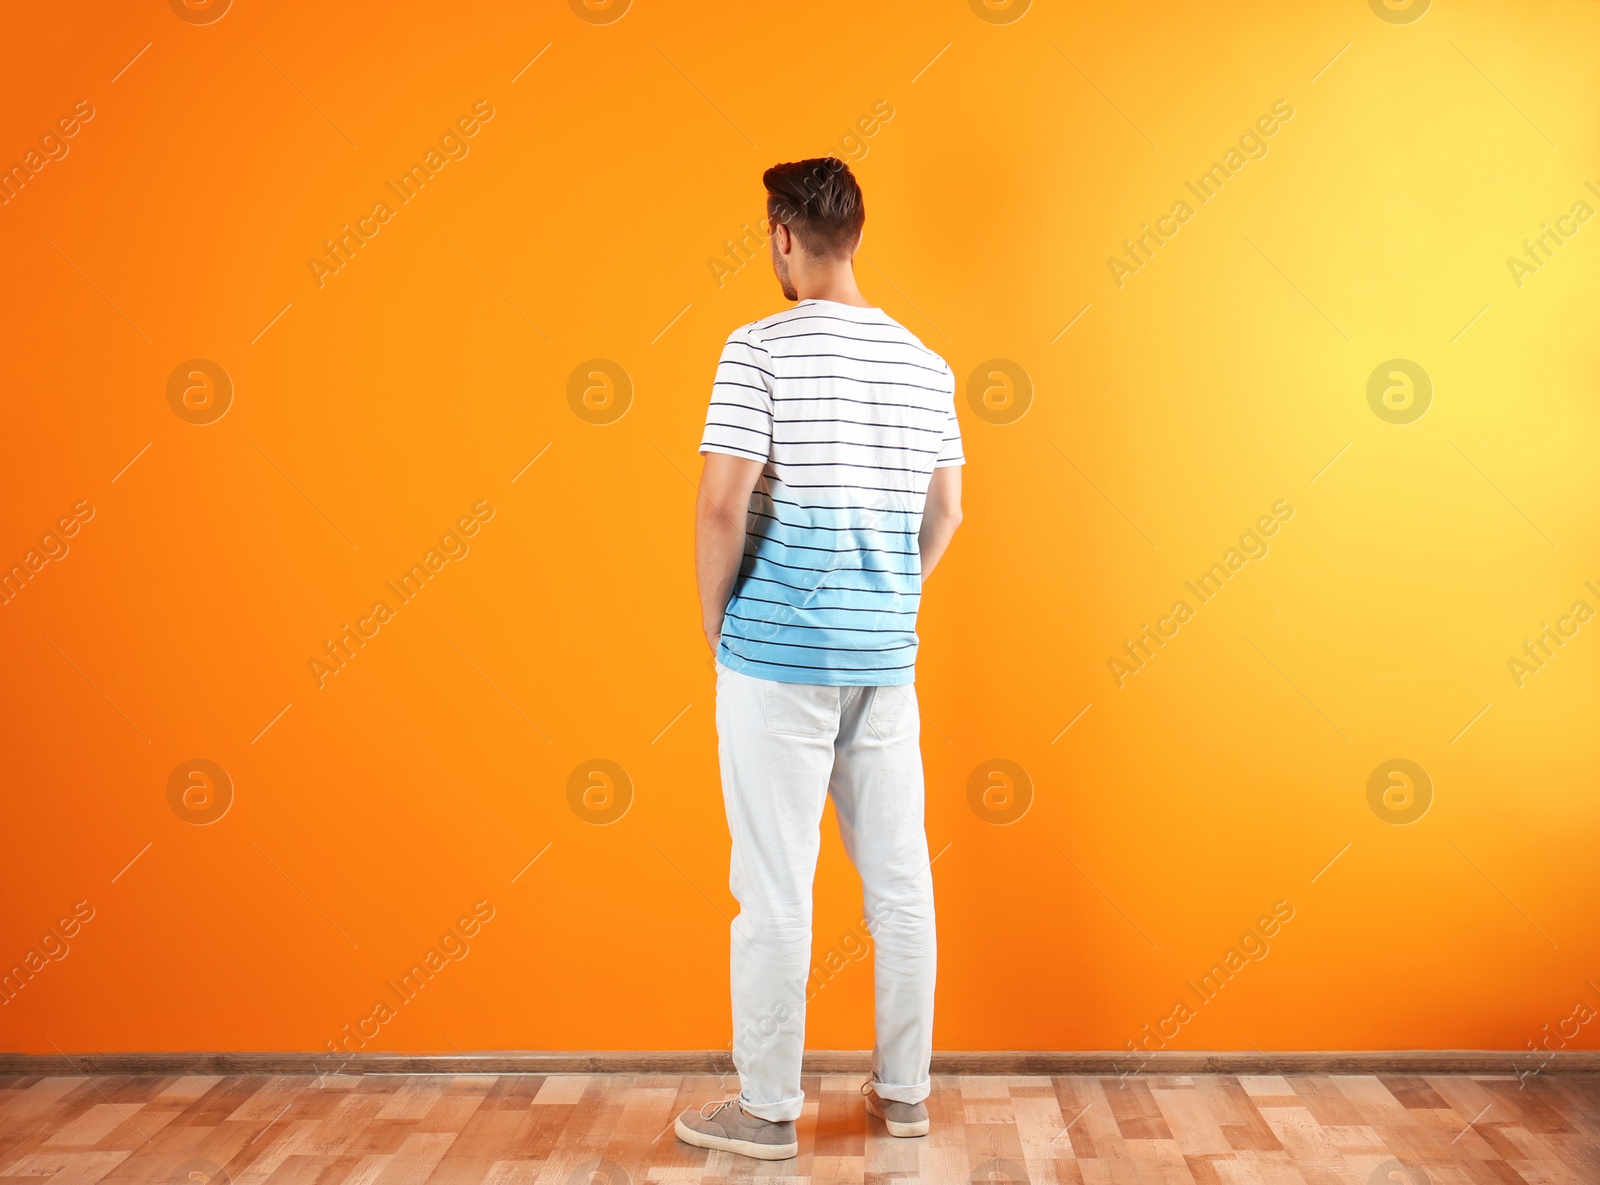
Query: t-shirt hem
x=815 y=676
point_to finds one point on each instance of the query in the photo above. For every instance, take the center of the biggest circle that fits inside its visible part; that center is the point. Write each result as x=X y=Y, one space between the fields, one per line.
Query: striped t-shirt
x=851 y=415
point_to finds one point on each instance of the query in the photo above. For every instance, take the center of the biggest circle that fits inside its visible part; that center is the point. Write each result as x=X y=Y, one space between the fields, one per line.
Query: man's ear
x=781 y=238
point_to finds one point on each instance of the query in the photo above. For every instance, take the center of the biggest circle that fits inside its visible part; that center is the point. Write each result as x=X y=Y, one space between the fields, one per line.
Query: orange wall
x=1228 y=375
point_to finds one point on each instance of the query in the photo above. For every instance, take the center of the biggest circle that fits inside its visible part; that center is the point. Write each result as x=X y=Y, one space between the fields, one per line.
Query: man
x=831 y=487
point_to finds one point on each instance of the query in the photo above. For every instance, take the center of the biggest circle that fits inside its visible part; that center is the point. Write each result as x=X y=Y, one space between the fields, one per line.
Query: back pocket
x=800 y=709
x=894 y=710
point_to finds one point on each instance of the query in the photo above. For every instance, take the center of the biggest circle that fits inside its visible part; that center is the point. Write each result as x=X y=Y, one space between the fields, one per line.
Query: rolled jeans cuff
x=780 y=1112
x=903 y=1094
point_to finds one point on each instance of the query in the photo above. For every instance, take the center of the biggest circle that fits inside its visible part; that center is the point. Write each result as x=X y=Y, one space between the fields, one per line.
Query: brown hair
x=819 y=201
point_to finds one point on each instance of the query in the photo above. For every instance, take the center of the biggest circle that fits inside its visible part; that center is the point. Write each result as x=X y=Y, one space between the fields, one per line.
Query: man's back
x=831 y=489
x=851 y=414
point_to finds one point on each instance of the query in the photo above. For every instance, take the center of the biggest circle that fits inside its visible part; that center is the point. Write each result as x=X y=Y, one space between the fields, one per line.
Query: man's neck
x=837 y=284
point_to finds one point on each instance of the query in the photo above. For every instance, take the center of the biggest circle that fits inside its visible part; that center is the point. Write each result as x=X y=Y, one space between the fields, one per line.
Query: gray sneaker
x=902 y=1119
x=728 y=1127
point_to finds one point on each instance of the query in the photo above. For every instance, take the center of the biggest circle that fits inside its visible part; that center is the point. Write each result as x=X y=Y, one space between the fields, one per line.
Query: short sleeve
x=950 y=449
x=739 y=420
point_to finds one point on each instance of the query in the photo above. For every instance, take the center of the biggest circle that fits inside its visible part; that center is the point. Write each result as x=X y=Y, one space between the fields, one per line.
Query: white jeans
x=784 y=747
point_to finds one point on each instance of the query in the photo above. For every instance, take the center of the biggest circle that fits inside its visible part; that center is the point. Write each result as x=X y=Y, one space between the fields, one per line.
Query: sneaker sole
x=742 y=1147
x=919 y=1128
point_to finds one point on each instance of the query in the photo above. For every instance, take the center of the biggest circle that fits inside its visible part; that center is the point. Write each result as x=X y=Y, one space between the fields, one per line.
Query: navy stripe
x=877 y=592
x=828 y=485
x=850 y=378
x=751 y=365
x=809 y=506
x=762 y=559
x=731 y=383
x=814 y=527
x=808 y=646
x=829 y=608
x=844 y=465
x=885 y=341
x=850 y=358
x=899 y=448
x=861 y=423
x=802 y=666
x=710 y=424
x=795 y=625
x=794 y=315
x=834 y=550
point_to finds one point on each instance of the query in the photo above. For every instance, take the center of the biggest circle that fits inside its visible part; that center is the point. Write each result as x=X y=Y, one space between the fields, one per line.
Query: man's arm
x=940 y=516
x=726 y=482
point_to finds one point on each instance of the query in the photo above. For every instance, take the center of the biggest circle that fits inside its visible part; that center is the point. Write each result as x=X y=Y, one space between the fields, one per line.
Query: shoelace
x=716 y=1108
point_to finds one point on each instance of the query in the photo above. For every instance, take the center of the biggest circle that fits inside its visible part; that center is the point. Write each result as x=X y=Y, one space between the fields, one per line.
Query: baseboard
x=1093 y=1062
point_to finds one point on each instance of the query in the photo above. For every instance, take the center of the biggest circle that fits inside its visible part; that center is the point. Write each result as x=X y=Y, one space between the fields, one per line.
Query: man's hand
x=726 y=482
x=941 y=516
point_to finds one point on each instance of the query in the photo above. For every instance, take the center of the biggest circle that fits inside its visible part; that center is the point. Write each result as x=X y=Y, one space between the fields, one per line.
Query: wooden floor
x=392 y=1129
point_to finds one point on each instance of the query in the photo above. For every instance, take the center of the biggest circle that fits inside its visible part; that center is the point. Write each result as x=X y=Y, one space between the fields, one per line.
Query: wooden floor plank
x=1193 y=1125
x=1040 y=1129
x=1413 y=1091
x=1137 y=1114
x=1313 y=1151
x=1245 y=1129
